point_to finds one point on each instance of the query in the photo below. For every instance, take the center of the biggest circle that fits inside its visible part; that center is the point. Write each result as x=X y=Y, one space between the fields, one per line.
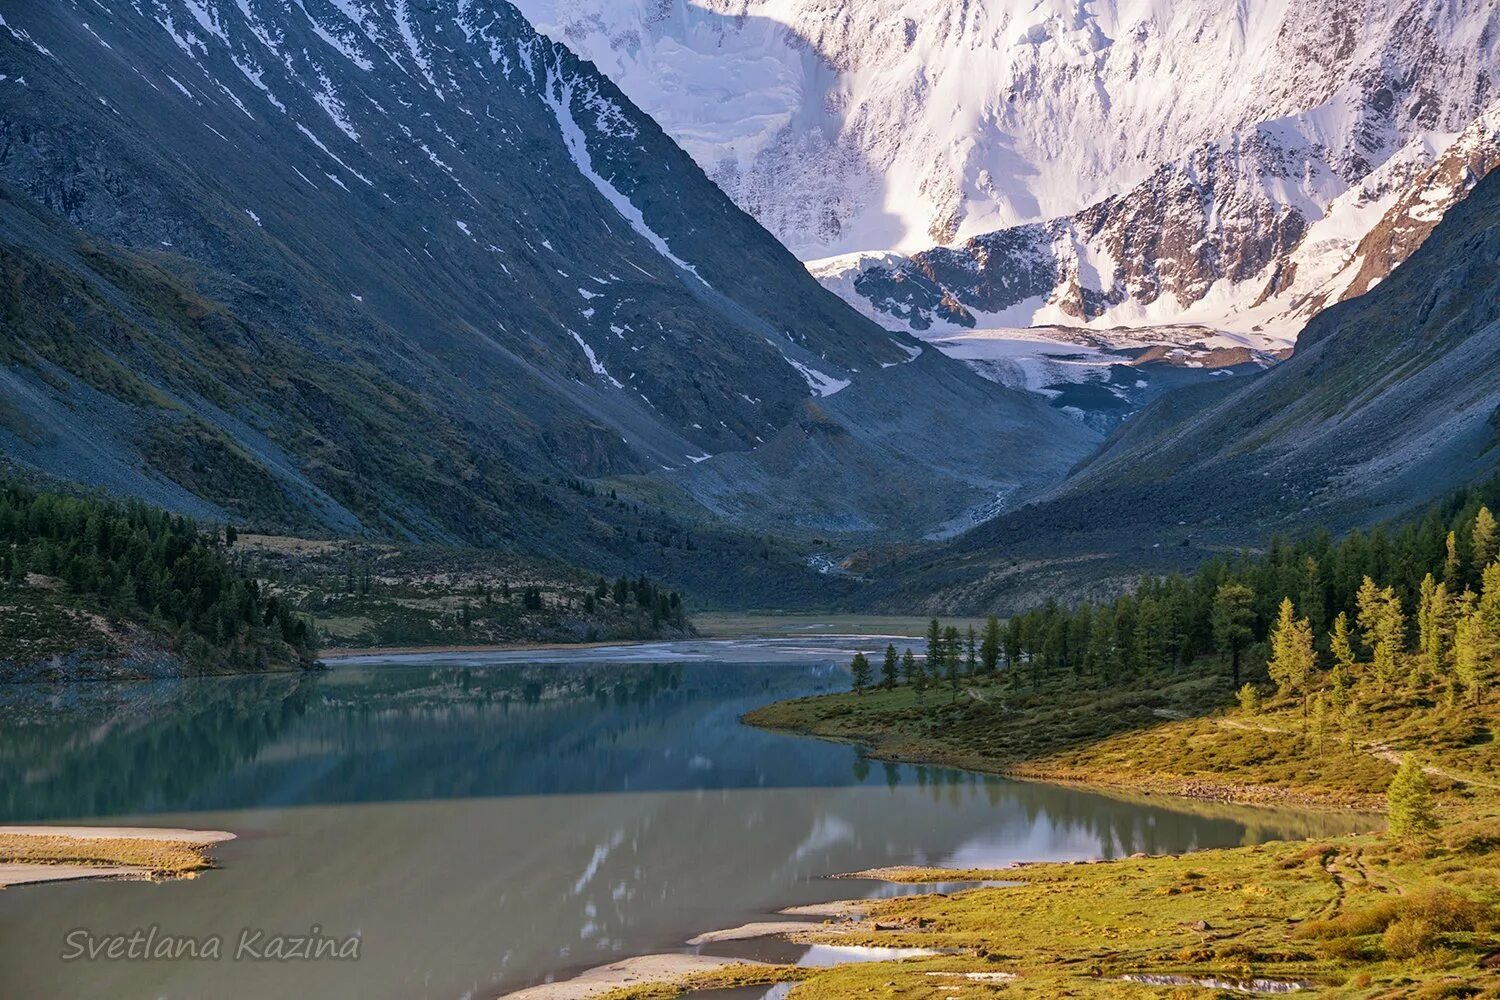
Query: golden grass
x=1354 y=916
x=164 y=858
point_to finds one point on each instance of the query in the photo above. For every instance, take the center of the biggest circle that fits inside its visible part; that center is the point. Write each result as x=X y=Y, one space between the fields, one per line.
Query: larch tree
x=1383 y=622
x=1318 y=724
x=1249 y=699
x=1292 y=655
x=1341 y=644
x=1485 y=544
x=1468 y=666
x=1410 y=815
x=1452 y=566
x=1434 y=629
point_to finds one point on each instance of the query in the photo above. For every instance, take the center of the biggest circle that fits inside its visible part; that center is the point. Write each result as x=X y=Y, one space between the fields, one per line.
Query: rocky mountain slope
x=1391 y=399
x=419 y=271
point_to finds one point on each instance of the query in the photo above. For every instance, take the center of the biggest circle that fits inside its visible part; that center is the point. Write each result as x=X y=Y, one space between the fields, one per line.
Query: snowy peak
x=1250 y=236
x=897 y=124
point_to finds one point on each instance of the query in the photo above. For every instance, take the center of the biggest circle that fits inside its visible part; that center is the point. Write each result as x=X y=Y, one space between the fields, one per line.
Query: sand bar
x=671 y=968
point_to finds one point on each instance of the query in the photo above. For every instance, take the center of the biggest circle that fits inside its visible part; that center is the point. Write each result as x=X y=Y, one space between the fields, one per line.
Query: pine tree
x=989 y=649
x=971 y=654
x=934 y=647
x=1310 y=600
x=1410 y=814
x=859 y=669
x=1232 y=615
x=918 y=675
x=951 y=656
x=909 y=667
x=1101 y=652
x=1292 y=657
x=888 y=669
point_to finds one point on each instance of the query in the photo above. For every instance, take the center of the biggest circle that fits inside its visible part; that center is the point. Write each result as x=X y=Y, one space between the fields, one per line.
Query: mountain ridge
x=410 y=272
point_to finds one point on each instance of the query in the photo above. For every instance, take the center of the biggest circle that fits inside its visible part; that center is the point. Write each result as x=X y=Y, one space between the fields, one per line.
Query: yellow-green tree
x=1383 y=623
x=1451 y=567
x=1486 y=541
x=1468 y=666
x=1292 y=655
x=1409 y=809
x=1341 y=645
x=1435 y=622
x=1249 y=699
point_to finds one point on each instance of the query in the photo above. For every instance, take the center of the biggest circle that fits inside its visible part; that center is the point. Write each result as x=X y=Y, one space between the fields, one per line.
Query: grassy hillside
x=372 y=595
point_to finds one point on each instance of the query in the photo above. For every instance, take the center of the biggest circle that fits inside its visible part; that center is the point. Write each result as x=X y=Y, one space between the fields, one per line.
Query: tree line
x=140 y=563
x=1413 y=605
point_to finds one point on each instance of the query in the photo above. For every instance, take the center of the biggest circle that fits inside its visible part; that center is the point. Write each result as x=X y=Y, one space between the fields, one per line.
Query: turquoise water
x=482 y=824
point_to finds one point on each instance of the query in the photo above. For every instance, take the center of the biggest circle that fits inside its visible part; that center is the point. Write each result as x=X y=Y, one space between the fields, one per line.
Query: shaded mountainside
x=1391 y=399
x=372 y=269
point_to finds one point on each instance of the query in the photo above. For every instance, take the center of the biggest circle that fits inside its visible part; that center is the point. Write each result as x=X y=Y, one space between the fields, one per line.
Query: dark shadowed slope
x=1390 y=400
x=397 y=269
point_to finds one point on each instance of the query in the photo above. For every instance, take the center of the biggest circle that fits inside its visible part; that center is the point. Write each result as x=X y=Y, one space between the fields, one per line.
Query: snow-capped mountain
x=1247 y=238
x=1186 y=181
x=873 y=125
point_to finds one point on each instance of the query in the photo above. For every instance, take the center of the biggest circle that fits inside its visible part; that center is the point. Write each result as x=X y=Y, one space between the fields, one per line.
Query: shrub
x=1345 y=949
x=1408 y=938
x=1445 y=909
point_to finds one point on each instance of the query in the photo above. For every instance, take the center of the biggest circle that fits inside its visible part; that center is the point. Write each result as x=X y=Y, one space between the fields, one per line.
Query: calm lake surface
x=487 y=822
